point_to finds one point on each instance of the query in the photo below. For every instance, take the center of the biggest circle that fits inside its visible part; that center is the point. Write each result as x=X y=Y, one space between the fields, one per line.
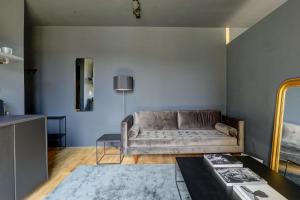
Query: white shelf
x=10 y=57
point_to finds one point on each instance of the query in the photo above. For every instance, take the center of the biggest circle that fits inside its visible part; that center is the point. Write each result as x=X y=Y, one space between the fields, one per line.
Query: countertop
x=14 y=119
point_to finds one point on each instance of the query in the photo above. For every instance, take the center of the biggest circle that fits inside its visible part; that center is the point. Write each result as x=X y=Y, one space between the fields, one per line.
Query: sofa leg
x=135 y=158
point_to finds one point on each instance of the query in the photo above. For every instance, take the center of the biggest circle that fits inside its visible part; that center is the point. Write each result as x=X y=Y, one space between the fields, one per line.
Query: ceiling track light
x=136 y=6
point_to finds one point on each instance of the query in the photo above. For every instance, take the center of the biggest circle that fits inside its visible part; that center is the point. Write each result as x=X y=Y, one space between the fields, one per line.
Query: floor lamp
x=123 y=84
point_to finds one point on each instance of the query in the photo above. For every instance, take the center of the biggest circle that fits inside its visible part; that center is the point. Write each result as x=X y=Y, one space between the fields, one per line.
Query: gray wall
x=257 y=62
x=292 y=105
x=11 y=35
x=172 y=67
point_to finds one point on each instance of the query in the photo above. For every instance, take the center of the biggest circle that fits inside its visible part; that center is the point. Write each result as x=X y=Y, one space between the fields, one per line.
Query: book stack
x=222 y=161
x=246 y=184
x=256 y=192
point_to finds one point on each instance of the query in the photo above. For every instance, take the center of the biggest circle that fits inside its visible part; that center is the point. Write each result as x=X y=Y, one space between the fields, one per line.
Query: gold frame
x=278 y=120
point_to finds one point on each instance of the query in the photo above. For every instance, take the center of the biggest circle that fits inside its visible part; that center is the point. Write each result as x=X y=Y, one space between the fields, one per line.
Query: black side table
x=108 y=138
x=61 y=134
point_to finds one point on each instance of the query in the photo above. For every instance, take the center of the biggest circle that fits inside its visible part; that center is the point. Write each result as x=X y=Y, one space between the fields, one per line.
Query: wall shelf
x=11 y=58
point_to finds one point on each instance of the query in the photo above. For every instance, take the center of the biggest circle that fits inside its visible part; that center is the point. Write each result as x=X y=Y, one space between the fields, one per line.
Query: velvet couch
x=181 y=132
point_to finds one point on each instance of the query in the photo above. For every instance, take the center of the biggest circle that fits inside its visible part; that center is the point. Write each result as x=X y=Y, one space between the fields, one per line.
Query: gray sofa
x=181 y=132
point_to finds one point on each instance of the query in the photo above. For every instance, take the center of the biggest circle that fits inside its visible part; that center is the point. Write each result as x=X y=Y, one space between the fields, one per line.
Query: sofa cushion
x=181 y=138
x=228 y=130
x=156 y=120
x=134 y=131
x=201 y=119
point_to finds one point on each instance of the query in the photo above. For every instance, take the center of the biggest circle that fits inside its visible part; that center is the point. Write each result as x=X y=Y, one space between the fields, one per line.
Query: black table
x=203 y=184
x=61 y=133
x=108 y=138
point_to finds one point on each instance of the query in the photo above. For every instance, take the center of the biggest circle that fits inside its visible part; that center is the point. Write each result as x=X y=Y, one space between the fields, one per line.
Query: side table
x=108 y=138
x=60 y=136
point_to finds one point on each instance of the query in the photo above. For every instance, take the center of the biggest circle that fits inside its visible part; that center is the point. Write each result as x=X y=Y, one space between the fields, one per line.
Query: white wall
x=173 y=68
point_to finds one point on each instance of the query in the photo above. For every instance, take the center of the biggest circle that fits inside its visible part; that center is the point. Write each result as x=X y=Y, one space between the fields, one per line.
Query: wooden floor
x=62 y=162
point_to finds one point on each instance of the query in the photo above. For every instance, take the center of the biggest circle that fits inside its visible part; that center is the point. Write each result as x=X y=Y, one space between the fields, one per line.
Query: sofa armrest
x=240 y=126
x=126 y=124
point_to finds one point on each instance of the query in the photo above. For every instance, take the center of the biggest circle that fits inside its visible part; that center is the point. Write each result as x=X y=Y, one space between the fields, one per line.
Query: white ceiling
x=167 y=13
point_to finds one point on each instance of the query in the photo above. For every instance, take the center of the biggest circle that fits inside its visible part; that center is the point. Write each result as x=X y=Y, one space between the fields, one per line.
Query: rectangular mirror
x=84 y=81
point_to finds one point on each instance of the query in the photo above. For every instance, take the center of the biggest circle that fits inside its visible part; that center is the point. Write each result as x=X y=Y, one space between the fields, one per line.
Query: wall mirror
x=84 y=81
x=285 y=158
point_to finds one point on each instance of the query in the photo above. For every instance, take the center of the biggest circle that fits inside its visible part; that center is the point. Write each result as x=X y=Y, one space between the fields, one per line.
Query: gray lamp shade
x=123 y=83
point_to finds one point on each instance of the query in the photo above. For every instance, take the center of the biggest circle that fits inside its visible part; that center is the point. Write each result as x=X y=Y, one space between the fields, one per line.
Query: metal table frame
x=177 y=171
x=61 y=134
x=108 y=138
x=286 y=165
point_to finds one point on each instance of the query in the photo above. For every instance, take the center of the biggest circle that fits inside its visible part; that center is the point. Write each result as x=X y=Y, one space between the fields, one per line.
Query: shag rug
x=121 y=182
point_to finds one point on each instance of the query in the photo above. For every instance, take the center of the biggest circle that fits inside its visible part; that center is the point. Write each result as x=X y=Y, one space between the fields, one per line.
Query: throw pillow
x=228 y=130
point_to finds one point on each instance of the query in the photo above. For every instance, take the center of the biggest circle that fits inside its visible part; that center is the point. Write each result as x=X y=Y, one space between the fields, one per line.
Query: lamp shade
x=123 y=83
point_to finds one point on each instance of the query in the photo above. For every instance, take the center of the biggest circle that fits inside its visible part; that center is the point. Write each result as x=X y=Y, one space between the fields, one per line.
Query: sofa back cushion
x=164 y=120
x=198 y=119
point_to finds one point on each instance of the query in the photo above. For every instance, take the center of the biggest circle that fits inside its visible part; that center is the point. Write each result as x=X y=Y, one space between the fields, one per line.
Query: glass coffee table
x=111 y=139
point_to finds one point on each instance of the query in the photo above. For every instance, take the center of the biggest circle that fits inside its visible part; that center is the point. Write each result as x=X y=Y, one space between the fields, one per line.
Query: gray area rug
x=121 y=182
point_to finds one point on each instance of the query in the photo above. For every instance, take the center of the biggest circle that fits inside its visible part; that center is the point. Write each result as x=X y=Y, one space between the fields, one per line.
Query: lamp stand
x=124 y=104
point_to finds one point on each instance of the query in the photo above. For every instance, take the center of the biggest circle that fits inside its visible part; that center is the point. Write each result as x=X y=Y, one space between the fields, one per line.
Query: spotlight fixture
x=136 y=6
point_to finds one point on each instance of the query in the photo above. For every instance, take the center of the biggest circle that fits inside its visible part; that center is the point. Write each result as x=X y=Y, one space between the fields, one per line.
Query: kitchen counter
x=23 y=150
x=14 y=119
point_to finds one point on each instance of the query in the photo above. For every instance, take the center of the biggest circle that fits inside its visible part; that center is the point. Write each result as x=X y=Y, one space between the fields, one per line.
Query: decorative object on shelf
x=136 y=6
x=6 y=50
x=6 y=55
x=123 y=84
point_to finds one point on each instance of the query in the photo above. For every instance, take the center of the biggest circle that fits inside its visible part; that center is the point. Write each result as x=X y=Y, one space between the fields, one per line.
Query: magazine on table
x=256 y=192
x=233 y=176
x=222 y=160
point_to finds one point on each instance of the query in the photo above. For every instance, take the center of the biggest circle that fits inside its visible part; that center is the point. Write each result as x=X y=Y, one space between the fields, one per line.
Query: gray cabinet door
x=7 y=188
x=31 y=156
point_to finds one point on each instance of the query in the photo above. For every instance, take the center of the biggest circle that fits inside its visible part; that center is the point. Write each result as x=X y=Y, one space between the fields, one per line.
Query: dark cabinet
x=31 y=166
x=7 y=181
x=23 y=158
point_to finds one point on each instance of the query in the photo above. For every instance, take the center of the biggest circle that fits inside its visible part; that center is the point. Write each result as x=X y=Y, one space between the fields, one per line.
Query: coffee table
x=202 y=183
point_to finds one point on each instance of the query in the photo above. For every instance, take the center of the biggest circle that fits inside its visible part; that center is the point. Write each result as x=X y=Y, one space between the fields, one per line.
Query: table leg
x=96 y=153
x=177 y=182
x=121 y=154
x=65 y=132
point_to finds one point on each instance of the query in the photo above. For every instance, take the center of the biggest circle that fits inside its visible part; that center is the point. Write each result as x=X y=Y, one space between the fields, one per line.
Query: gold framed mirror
x=279 y=122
